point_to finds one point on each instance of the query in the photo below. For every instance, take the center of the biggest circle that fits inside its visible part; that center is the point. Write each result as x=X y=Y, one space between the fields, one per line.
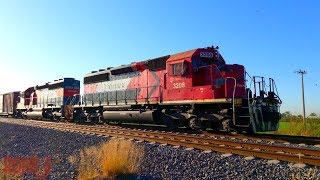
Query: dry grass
x=108 y=160
x=311 y=174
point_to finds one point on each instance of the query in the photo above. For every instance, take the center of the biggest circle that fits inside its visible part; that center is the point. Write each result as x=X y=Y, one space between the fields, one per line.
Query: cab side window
x=178 y=69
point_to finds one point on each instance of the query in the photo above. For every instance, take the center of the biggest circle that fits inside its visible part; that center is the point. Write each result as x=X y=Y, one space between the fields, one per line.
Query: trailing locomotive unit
x=195 y=88
x=48 y=101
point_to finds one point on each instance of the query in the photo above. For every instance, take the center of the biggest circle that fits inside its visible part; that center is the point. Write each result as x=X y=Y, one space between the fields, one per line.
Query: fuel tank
x=129 y=116
x=35 y=113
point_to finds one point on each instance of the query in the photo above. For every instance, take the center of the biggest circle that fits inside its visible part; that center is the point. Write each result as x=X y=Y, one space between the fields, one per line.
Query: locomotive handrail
x=234 y=89
x=249 y=75
x=249 y=104
x=249 y=87
x=274 y=86
x=233 y=104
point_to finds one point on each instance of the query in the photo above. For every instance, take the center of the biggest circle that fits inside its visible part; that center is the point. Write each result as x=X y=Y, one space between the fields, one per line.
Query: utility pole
x=302 y=72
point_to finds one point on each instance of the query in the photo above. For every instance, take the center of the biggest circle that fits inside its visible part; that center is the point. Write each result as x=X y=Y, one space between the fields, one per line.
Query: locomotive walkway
x=203 y=142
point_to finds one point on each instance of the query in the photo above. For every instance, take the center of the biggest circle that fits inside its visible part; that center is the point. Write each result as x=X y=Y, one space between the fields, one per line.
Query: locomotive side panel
x=71 y=88
x=126 y=88
x=48 y=96
x=150 y=85
x=237 y=79
x=112 y=89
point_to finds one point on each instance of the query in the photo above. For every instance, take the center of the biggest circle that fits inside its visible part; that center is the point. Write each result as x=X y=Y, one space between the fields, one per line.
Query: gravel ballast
x=159 y=162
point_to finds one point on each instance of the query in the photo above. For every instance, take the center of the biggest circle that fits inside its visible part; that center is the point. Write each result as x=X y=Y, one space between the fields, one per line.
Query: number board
x=206 y=54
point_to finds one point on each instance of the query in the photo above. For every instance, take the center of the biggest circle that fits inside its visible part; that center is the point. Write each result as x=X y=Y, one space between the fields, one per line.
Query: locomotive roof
x=12 y=92
x=59 y=81
x=153 y=64
x=182 y=55
x=190 y=53
x=48 y=84
x=93 y=73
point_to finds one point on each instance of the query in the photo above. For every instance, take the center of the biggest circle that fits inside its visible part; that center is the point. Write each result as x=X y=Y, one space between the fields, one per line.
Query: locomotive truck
x=196 y=89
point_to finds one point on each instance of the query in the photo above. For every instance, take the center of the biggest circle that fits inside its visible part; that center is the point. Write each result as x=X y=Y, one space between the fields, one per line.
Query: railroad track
x=287 y=139
x=291 y=139
x=203 y=141
x=266 y=137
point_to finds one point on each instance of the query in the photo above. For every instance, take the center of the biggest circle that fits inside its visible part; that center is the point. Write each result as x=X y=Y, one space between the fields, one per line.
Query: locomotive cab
x=217 y=95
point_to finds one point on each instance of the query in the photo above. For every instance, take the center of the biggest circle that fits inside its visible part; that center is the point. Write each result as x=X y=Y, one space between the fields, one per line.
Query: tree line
x=288 y=114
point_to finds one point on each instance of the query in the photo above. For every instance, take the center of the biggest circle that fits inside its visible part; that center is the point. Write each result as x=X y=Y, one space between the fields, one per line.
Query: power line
x=302 y=72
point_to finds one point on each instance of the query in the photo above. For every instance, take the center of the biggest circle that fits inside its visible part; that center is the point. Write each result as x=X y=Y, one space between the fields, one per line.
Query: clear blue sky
x=45 y=40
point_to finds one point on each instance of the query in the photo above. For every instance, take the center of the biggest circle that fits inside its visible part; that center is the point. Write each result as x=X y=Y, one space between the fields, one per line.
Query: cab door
x=178 y=81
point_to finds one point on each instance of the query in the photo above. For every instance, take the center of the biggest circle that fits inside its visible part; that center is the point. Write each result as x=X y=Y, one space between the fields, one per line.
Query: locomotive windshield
x=198 y=62
x=206 y=59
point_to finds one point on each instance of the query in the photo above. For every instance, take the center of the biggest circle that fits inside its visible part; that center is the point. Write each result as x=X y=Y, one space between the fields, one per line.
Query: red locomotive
x=195 y=88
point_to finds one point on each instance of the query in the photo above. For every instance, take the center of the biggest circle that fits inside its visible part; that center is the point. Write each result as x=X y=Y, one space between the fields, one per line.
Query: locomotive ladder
x=245 y=113
x=246 y=109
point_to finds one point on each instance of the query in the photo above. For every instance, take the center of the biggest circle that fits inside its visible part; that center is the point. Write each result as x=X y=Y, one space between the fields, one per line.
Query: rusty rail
x=265 y=151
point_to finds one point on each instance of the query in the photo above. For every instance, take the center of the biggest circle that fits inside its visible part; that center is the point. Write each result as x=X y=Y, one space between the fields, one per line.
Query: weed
x=108 y=160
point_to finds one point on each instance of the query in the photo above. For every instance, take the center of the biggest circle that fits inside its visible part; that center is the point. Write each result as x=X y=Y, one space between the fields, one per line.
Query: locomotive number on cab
x=206 y=54
x=179 y=85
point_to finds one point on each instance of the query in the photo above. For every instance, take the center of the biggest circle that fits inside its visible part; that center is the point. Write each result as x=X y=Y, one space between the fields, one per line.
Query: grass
x=295 y=126
x=108 y=160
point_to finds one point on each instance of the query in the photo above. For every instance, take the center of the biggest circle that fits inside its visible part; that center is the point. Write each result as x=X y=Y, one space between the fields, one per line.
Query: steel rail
x=270 y=147
x=289 y=154
x=223 y=148
x=265 y=137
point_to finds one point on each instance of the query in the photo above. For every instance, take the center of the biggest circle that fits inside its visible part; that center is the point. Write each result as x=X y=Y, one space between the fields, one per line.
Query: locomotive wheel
x=195 y=123
x=56 y=118
x=23 y=116
x=100 y=120
x=171 y=123
x=186 y=124
x=225 y=125
x=78 y=118
x=215 y=126
x=19 y=115
x=250 y=130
